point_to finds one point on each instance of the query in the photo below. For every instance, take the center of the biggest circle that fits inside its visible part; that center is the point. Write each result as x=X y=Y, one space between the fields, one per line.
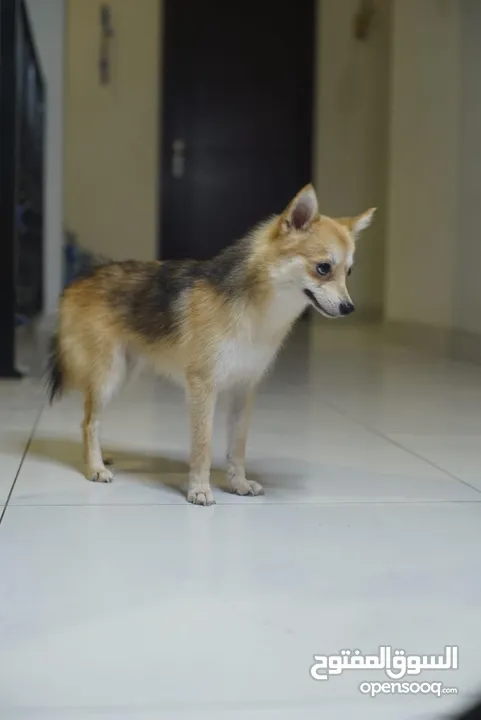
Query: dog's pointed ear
x=362 y=221
x=302 y=211
x=358 y=223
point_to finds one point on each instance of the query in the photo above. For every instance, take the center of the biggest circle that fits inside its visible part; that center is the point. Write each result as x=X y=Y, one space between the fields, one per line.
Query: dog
x=211 y=325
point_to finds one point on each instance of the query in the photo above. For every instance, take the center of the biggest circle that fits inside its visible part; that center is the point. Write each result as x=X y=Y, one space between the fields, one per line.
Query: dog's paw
x=241 y=486
x=200 y=495
x=100 y=475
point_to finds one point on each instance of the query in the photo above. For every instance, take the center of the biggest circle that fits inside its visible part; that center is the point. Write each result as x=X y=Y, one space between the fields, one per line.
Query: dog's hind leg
x=96 y=398
x=95 y=468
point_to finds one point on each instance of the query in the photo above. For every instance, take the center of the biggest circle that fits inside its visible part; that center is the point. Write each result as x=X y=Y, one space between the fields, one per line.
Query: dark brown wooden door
x=237 y=122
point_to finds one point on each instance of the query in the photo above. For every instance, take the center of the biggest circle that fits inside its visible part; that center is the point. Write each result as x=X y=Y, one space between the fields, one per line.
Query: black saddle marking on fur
x=150 y=296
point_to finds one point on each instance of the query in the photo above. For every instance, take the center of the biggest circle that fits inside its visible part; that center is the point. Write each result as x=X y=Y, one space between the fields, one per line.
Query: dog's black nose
x=347 y=308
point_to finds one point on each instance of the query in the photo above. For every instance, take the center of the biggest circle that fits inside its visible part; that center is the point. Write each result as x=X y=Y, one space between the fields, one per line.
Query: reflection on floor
x=122 y=601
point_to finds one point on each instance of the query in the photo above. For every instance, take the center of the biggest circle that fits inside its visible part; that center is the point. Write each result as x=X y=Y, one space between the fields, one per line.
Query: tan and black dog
x=210 y=325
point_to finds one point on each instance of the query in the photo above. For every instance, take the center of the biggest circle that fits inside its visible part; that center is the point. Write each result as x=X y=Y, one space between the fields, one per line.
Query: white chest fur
x=248 y=352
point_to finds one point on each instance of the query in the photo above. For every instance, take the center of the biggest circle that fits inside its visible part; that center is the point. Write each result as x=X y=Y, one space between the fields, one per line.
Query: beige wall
x=352 y=132
x=420 y=278
x=467 y=265
x=434 y=252
x=112 y=131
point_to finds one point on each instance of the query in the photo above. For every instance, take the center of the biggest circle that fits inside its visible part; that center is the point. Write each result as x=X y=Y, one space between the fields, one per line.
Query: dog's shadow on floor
x=143 y=467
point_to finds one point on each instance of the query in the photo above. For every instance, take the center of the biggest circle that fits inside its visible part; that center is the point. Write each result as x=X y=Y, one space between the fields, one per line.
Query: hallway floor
x=122 y=601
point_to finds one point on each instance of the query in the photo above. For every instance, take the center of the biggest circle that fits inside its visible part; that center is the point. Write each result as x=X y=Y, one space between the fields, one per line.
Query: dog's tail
x=55 y=373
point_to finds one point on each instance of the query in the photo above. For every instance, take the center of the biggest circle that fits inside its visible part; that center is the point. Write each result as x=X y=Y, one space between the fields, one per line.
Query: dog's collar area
x=312 y=298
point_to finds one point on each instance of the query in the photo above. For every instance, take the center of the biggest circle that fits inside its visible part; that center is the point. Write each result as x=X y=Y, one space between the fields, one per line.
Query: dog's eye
x=323 y=268
x=349 y=271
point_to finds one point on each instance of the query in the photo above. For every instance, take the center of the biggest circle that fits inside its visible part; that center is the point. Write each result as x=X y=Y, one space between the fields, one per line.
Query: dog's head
x=316 y=253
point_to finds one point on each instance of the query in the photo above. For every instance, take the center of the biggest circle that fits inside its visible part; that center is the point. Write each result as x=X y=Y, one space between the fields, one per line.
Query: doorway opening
x=237 y=127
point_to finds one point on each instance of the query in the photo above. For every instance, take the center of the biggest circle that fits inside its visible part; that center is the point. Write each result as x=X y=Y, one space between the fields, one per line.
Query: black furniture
x=22 y=102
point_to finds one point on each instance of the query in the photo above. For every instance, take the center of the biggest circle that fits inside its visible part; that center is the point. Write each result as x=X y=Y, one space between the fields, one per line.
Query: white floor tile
x=301 y=449
x=20 y=404
x=124 y=602
x=457 y=454
x=395 y=390
x=324 y=457
x=218 y=610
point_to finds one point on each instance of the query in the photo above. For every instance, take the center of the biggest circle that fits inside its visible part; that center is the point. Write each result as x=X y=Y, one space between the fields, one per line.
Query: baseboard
x=367 y=315
x=451 y=343
x=429 y=338
x=466 y=346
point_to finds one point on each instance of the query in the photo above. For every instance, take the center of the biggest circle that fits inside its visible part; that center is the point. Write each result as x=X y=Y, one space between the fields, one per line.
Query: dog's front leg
x=201 y=398
x=238 y=422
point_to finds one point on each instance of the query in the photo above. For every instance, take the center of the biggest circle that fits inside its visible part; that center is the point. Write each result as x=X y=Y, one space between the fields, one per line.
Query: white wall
x=423 y=182
x=47 y=18
x=352 y=94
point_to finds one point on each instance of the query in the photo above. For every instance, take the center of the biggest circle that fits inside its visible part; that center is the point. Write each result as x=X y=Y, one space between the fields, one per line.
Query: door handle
x=178 y=158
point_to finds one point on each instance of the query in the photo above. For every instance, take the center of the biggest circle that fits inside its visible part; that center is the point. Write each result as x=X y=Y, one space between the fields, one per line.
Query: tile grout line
x=22 y=459
x=320 y=503
x=380 y=434
x=427 y=460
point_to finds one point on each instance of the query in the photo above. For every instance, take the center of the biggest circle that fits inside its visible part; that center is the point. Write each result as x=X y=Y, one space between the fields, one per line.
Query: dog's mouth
x=312 y=299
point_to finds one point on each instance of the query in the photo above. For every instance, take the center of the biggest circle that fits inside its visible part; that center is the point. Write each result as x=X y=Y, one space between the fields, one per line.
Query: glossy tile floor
x=122 y=601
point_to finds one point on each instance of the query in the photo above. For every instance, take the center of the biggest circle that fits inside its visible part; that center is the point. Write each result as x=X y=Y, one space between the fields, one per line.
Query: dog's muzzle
x=345 y=308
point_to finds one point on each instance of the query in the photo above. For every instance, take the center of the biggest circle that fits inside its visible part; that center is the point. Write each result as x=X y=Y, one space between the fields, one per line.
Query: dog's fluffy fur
x=210 y=325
